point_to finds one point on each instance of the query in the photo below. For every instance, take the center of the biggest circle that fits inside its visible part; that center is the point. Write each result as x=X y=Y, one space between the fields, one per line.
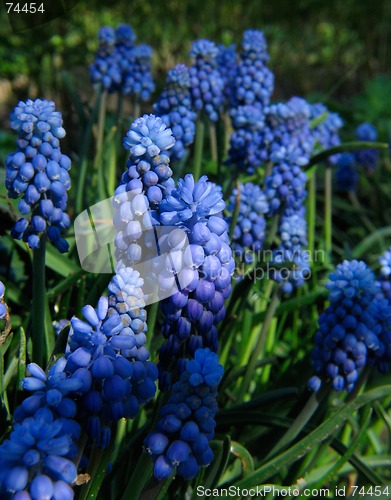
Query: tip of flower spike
x=106 y=36
x=351 y=279
x=179 y=75
x=366 y=132
x=255 y=41
x=148 y=137
x=204 y=49
x=124 y=35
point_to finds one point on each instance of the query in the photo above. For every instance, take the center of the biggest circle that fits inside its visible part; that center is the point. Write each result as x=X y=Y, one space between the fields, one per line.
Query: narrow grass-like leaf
x=219 y=464
x=317 y=436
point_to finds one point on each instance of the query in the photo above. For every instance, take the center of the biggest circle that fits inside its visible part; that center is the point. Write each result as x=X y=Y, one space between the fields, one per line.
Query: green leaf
x=313 y=439
x=347 y=146
x=219 y=464
x=376 y=237
x=245 y=457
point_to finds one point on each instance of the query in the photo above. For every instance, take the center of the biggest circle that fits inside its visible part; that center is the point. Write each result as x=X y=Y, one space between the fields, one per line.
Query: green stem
x=311 y=214
x=38 y=304
x=327 y=209
x=199 y=146
x=139 y=479
x=260 y=343
x=99 y=147
x=213 y=141
x=136 y=109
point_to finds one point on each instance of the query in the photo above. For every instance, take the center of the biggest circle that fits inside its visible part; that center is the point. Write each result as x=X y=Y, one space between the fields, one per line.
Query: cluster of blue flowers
x=3 y=307
x=206 y=81
x=174 y=107
x=38 y=174
x=191 y=314
x=285 y=188
x=366 y=158
x=104 y=376
x=346 y=174
x=110 y=344
x=294 y=267
x=247 y=136
x=290 y=138
x=325 y=129
x=122 y=66
x=142 y=186
x=384 y=280
x=253 y=82
x=138 y=80
x=227 y=65
x=186 y=423
x=354 y=331
x=105 y=69
x=36 y=461
x=249 y=231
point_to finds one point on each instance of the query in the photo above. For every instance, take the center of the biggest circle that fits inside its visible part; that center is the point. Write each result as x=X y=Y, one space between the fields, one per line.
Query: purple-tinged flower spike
x=36 y=460
x=326 y=132
x=291 y=139
x=348 y=335
x=247 y=137
x=57 y=390
x=192 y=314
x=175 y=109
x=285 y=186
x=227 y=60
x=105 y=69
x=3 y=307
x=366 y=158
x=249 y=232
x=110 y=344
x=38 y=174
x=384 y=280
x=186 y=423
x=253 y=82
x=142 y=186
x=291 y=252
x=346 y=174
x=207 y=84
x=138 y=80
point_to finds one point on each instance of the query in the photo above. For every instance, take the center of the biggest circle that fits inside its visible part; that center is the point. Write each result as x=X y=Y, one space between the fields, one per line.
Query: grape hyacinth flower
x=186 y=423
x=227 y=65
x=191 y=314
x=348 y=334
x=207 y=84
x=366 y=158
x=38 y=174
x=253 y=82
x=36 y=460
x=289 y=138
x=293 y=238
x=3 y=307
x=56 y=390
x=384 y=280
x=249 y=231
x=175 y=109
x=110 y=344
x=138 y=80
x=105 y=69
x=326 y=132
x=346 y=174
x=142 y=186
x=248 y=134
x=285 y=186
